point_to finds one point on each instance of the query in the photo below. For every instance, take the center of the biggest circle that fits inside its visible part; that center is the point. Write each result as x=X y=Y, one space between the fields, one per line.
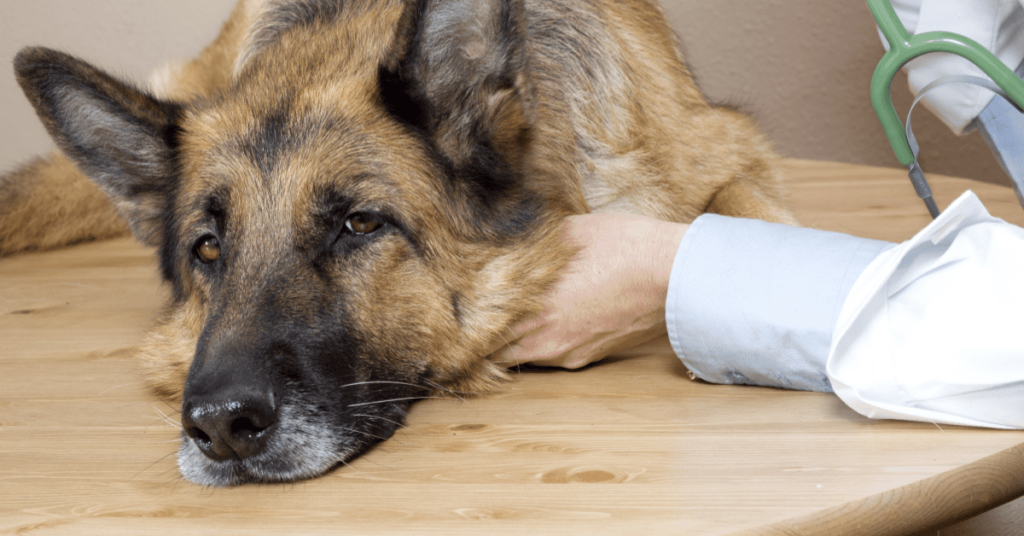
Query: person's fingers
x=610 y=296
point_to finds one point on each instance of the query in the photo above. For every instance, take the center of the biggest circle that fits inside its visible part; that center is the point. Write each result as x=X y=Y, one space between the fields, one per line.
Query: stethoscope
x=904 y=47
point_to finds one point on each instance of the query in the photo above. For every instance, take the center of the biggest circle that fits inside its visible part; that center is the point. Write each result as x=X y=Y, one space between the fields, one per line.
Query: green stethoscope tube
x=904 y=47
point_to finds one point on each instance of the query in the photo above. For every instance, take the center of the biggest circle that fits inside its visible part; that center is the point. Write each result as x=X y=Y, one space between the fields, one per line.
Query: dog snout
x=230 y=424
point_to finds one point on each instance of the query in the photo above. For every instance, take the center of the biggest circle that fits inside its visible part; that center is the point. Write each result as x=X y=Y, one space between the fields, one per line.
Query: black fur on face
x=324 y=399
x=291 y=373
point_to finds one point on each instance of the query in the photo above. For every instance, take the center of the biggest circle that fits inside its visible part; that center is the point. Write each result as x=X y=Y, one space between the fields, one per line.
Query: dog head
x=344 y=228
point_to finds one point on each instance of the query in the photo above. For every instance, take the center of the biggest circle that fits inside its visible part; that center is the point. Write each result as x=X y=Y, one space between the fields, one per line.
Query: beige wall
x=126 y=37
x=801 y=67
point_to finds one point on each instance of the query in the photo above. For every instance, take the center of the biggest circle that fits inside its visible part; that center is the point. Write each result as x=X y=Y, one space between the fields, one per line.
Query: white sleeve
x=751 y=302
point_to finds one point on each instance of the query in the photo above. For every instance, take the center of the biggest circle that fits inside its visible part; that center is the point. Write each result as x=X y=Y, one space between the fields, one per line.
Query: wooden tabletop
x=630 y=446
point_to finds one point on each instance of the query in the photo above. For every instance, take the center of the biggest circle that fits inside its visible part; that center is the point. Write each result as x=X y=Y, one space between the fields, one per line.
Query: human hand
x=610 y=297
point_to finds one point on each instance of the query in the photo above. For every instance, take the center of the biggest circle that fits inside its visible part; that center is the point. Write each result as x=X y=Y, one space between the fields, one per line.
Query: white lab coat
x=997 y=25
x=927 y=330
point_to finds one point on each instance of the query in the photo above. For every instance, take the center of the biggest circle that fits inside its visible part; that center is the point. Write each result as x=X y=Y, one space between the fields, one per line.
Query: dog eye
x=207 y=249
x=361 y=224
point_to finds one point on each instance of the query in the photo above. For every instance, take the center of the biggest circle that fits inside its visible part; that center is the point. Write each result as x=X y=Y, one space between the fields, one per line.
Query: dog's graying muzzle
x=232 y=422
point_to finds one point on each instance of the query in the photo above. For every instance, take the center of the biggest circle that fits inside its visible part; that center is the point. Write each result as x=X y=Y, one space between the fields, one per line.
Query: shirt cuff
x=751 y=302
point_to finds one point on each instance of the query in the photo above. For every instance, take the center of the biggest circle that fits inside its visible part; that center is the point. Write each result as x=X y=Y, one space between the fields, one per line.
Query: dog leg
x=48 y=203
x=745 y=199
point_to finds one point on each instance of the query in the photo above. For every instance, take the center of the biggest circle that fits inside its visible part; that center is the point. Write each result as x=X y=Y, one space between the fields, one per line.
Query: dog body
x=350 y=199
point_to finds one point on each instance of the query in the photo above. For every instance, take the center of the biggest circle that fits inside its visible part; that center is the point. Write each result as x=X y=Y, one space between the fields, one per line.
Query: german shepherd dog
x=351 y=199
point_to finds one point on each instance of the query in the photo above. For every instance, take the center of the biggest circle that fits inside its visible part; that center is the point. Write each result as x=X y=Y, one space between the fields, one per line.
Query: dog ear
x=122 y=138
x=467 y=67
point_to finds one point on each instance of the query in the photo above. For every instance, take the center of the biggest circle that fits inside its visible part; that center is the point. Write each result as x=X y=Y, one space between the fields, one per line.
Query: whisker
x=380 y=382
x=354 y=469
x=173 y=470
x=105 y=391
x=444 y=389
x=368 y=460
x=367 y=434
x=167 y=419
x=393 y=400
x=452 y=391
x=159 y=421
x=174 y=409
x=162 y=458
x=396 y=423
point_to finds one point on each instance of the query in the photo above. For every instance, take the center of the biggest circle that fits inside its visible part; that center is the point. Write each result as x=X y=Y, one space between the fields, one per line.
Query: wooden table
x=630 y=446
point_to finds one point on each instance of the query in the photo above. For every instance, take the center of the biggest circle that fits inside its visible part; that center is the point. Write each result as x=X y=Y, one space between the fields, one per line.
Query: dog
x=350 y=199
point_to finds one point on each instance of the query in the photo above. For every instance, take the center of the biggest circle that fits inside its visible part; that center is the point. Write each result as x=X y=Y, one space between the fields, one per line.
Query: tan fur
x=652 y=145
x=614 y=123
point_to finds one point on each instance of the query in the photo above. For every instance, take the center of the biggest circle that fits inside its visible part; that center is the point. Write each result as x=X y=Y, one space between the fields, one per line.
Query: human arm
x=924 y=330
x=748 y=301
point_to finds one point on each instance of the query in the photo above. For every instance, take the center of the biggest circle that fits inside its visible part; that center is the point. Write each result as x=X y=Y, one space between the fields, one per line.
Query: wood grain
x=933 y=502
x=625 y=447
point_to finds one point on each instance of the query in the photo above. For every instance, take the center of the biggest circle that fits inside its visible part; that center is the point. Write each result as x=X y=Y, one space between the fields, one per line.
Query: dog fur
x=350 y=199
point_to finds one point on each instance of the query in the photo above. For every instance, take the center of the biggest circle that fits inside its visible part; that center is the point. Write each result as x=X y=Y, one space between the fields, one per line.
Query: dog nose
x=230 y=425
